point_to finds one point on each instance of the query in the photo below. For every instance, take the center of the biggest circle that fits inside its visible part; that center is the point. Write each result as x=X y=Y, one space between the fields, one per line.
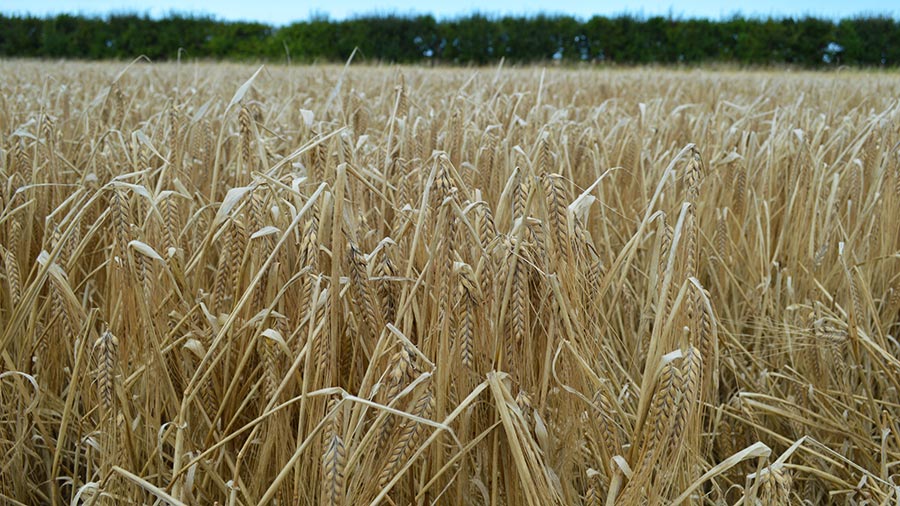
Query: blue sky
x=283 y=12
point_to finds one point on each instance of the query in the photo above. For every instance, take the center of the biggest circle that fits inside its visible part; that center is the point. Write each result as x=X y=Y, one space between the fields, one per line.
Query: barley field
x=350 y=285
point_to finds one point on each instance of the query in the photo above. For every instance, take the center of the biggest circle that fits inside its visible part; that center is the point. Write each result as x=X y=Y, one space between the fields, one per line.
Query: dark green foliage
x=476 y=39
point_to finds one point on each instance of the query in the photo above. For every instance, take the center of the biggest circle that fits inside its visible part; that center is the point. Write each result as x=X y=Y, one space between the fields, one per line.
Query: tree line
x=474 y=39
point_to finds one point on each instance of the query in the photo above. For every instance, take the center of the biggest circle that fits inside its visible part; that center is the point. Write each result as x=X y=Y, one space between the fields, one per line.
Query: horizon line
x=317 y=15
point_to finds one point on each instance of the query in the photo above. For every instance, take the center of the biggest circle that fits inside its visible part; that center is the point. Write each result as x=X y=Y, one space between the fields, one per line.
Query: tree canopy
x=474 y=39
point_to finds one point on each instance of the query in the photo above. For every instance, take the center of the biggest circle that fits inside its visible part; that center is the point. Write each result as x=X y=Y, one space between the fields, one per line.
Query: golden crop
x=492 y=286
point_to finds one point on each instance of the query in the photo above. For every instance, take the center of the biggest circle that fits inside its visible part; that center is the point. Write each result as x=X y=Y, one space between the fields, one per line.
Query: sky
x=280 y=12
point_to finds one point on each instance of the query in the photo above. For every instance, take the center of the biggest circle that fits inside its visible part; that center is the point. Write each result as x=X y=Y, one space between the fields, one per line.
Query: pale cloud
x=278 y=12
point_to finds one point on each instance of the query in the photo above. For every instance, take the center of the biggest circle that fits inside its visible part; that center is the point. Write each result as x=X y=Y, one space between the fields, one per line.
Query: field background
x=869 y=40
x=361 y=285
